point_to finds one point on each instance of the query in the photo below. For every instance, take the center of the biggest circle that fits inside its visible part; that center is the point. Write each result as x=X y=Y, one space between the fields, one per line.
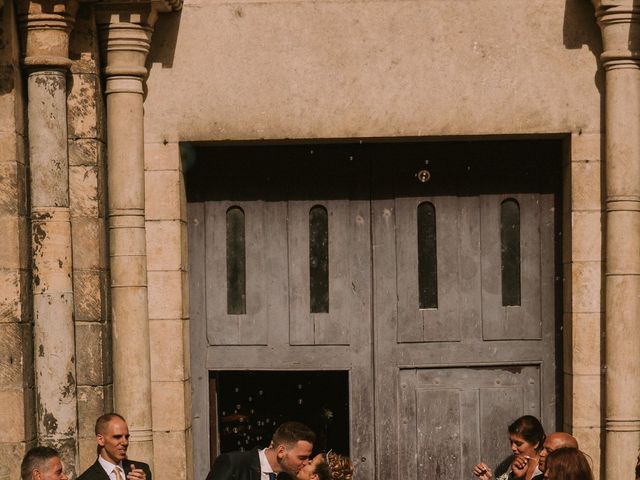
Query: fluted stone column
x=45 y=31
x=125 y=39
x=620 y=25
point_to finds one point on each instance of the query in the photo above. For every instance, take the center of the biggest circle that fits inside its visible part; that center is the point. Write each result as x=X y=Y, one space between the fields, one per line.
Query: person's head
x=568 y=464
x=42 y=463
x=526 y=436
x=292 y=444
x=554 y=442
x=329 y=466
x=112 y=436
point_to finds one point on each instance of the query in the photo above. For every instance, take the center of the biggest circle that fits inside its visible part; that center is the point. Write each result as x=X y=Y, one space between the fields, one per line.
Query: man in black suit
x=42 y=463
x=112 y=435
x=288 y=452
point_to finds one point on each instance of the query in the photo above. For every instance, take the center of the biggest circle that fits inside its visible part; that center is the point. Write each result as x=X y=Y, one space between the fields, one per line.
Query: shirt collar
x=108 y=466
x=265 y=467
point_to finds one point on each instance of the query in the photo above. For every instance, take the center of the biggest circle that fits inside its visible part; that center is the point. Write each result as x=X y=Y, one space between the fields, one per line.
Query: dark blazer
x=96 y=472
x=235 y=466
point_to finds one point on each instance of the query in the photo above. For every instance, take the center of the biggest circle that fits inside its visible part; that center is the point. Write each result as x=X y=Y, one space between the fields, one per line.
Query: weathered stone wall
x=17 y=412
x=582 y=246
x=87 y=188
x=166 y=227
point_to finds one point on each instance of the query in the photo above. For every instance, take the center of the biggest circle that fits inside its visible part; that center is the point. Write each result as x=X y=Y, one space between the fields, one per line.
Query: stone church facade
x=106 y=105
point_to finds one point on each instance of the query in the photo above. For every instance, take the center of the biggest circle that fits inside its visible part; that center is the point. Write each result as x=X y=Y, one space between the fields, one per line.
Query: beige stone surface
x=11 y=454
x=10 y=226
x=586 y=146
x=167 y=352
x=586 y=287
x=88 y=295
x=84 y=192
x=82 y=106
x=587 y=185
x=321 y=69
x=89 y=345
x=169 y=408
x=13 y=337
x=85 y=151
x=587 y=231
x=165 y=294
x=10 y=290
x=583 y=350
x=164 y=242
x=162 y=191
x=12 y=415
x=591 y=441
x=162 y=156
x=169 y=451
x=87 y=241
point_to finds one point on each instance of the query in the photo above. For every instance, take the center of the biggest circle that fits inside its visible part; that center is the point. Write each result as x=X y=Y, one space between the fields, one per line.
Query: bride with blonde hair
x=327 y=466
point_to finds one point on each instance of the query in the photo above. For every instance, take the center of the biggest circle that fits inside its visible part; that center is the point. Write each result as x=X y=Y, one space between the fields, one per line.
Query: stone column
x=620 y=25
x=125 y=39
x=45 y=31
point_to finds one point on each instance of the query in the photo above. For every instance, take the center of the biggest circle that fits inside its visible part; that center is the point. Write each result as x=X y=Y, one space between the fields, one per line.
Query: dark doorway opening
x=247 y=407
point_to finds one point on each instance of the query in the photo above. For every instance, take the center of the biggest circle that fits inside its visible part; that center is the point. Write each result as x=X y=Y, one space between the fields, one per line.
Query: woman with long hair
x=327 y=466
x=526 y=436
x=567 y=464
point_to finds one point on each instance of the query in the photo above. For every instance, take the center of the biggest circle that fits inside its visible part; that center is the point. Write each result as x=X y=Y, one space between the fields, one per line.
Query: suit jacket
x=236 y=466
x=96 y=472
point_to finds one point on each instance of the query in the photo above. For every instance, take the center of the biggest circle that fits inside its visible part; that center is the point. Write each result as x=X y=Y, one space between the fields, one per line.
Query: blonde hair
x=340 y=466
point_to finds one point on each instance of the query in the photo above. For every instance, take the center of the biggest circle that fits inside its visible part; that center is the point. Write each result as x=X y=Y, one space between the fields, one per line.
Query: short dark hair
x=529 y=428
x=290 y=433
x=104 y=419
x=568 y=464
x=35 y=459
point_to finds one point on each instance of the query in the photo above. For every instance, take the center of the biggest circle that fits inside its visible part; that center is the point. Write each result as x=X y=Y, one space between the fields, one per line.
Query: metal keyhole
x=424 y=176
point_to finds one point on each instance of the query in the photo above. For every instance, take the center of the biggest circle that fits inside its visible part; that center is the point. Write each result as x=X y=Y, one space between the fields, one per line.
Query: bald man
x=552 y=443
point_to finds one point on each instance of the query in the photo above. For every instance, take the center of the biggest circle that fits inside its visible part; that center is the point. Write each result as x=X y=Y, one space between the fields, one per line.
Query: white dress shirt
x=265 y=468
x=110 y=469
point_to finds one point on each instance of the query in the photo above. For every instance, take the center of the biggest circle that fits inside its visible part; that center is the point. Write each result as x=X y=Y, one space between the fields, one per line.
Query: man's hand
x=520 y=465
x=482 y=471
x=136 y=473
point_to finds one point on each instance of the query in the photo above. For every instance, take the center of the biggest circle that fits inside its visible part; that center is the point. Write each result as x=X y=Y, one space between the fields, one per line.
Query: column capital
x=619 y=21
x=125 y=28
x=45 y=26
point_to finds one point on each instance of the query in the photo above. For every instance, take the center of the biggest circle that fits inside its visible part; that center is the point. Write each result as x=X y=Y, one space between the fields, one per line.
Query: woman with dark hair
x=327 y=466
x=567 y=464
x=526 y=436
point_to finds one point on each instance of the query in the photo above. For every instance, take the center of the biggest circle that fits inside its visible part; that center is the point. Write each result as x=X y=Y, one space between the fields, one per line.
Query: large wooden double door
x=427 y=271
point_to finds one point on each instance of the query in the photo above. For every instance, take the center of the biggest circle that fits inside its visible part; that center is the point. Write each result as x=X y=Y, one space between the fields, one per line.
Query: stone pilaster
x=620 y=25
x=125 y=36
x=45 y=28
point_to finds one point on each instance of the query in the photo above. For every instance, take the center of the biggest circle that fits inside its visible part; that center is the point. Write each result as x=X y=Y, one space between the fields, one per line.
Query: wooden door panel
x=454 y=417
x=521 y=322
x=442 y=323
x=349 y=243
x=263 y=281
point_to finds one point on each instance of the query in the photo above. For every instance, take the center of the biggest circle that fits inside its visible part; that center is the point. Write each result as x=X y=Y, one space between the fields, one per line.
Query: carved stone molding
x=44 y=31
x=619 y=22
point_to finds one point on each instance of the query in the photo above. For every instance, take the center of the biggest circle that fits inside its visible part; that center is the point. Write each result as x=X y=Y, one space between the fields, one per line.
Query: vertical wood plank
x=408 y=441
x=222 y=329
x=198 y=336
x=498 y=407
x=443 y=323
x=438 y=442
x=410 y=322
x=253 y=325
x=470 y=285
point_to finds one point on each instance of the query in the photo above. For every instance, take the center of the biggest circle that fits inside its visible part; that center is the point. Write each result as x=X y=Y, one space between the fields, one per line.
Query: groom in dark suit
x=112 y=435
x=288 y=452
